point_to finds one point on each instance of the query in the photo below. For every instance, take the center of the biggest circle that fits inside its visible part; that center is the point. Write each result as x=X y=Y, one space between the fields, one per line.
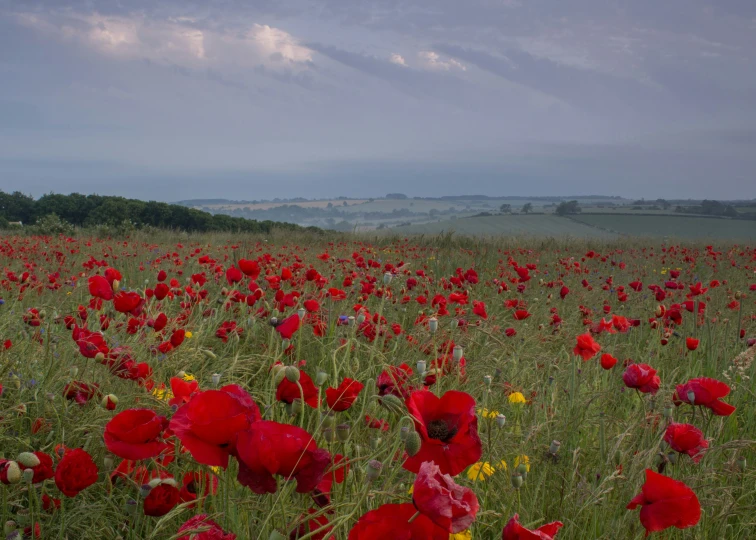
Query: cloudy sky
x=239 y=99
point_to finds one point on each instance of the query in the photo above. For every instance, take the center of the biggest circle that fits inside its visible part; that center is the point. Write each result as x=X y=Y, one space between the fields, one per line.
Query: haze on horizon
x=300 y=98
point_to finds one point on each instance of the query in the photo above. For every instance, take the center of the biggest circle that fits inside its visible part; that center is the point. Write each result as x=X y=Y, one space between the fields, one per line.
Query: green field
x=510 y=225
x=673 y=226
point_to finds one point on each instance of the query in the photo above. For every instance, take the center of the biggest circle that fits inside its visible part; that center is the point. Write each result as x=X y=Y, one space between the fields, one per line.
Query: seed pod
x=412 y=443
x=391 y=403
x=554 y=448
x=374 y=469
x=342 y=432
x=517 y=480
x=501 y=420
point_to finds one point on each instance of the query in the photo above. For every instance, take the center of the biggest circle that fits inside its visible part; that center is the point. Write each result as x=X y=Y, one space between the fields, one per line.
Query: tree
x=527 y=208
x=505 y=208
x=567 y=207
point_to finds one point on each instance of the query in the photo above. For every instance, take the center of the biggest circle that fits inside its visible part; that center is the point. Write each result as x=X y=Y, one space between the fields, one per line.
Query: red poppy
x=665 y=503
x=586 y=347
x=448 y=429
x=564 y=291
x=135 y=433
x=641 y=377
x=393 y=521
x=99 y=287
x=479 y=308
x=608 y=361
x=192 y=483
x=210 y=422
x=341 y=398
x=128 y=302
x=686 y=439
x=202 y=528
x=43 y=471
x=182 y=391
x=447 y=504
x=705 y=392
x=89 y=343
x=80 y=392
x=692 y=343
x=288 y=326
x=162 y=499
x=521 y=314
x=75 y=472
x=233 y=275
x=250 y=268
x=269 y=448
x=514 y=531
x=395 y=381
x=288 y=391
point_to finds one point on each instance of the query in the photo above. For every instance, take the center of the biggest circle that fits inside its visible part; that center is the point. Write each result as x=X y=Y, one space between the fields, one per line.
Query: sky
x=183 y=99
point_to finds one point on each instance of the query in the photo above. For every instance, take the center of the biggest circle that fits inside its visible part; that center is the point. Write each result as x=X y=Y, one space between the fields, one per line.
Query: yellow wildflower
x=188 y=377
x=522 y=459
x=503 y=465
x=517 y=397
x=480 y=471
x=188 y=335
x=464 y=535
x=162 y=394
x=485 y=413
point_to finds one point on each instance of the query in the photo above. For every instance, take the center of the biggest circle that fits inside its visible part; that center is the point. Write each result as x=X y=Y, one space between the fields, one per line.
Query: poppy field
x=234 y=387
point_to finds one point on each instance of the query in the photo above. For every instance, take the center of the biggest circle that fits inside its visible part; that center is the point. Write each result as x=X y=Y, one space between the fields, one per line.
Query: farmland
x=300 y=386
x=674 y=226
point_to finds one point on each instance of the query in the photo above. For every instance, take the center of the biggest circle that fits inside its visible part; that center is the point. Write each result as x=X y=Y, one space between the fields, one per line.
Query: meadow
x=176 y=386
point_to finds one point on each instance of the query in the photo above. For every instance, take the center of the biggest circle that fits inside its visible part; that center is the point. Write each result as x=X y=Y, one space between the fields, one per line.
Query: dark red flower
x=182 y=391
x=269 y=448
x=288 y=391
x=288 y=326
x=521 y=314
x=391 y=521
x=692 y=343
x=705 y=392
x=202 y=528
x=686 y=439
x=210 y=422
x=641 y=377
x=128 y=302
x=99 y=287
x=162 y=499
x=75 y=472
x=80 y=392
x=135 y=434
x=250 y=268
x=395 y=381
x=447 y=504
x=608 y=361
x=586 y=346
x=194 y=482
x=448 y=429
x=514 y=531
x=341 y=398
x=665 y=503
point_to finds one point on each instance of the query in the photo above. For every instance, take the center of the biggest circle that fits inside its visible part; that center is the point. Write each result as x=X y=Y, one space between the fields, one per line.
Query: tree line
x=98 y=210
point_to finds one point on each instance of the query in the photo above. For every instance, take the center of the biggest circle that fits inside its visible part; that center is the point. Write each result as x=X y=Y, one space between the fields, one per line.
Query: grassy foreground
x=529 y=387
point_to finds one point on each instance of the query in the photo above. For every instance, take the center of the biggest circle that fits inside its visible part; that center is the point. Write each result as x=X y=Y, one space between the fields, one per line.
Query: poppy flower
x=686 y=439
x=641 y=377
x=99 y=287
x=447 y=504
x=395 y=381
x=341 y=398
x=448 y=429
x=563 y=292
x=393 y=521
x=191 y=483
x=269 y=448
x=75 y=472
x=288 y=391
x=161 y=499
x=43 y=471
x=182 y=391
x=250 y=268
x=233 y=275
x=80 y=392
x=608 y=361
x=288 y=326
x=692 y=343
x=135 y=433
x=706 y=392
x=210 y=422
x=665 y=503
x=586 y=347
x=521 y=314
x=128 y=302
x=514 y=531
x=479 y=308
x=201 y=527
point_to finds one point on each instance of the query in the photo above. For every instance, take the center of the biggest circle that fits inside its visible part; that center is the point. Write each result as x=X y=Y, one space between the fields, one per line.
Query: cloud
x=278 y=45
x=397 y=59
x=432 y=60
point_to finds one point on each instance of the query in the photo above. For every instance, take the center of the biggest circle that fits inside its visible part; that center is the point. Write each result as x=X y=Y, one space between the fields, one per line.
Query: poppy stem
x=414 y=516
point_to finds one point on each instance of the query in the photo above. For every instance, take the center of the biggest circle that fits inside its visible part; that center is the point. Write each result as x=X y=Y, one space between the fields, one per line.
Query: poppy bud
x=517 y=480
x=12 y=473
x=403 y=433
x=209 y=354
x=292 y=374
x=391 y=403
x=554 y=448
x=374 y=469
x=216 y=378
x=433 y=325
x=458 y=353
x=28 y=475
x=342 y=432
x=412 y=443
x=320 y=378
x=327 y=419
x=501 y=420
x=73 y=370
x=110 y=402
x=27 y=459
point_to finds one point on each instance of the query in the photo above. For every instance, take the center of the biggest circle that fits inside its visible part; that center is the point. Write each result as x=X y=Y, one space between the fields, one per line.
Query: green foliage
x=505 y=208
x=567 y=207
x=119 y=214
x=51 y=224
x=527 y=208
